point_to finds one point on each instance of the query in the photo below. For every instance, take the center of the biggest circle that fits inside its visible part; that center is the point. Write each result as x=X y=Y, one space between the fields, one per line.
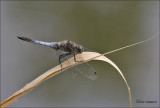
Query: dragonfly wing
x=87 y=70
x=84 y=68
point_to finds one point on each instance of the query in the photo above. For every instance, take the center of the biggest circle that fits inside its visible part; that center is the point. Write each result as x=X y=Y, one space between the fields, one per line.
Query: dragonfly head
x=79 y=48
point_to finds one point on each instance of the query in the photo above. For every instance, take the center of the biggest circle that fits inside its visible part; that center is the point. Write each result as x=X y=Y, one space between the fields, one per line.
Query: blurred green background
x=98 y=25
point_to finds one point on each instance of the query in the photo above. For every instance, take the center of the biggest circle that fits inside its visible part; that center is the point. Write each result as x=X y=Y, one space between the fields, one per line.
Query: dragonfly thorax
x=69 y=46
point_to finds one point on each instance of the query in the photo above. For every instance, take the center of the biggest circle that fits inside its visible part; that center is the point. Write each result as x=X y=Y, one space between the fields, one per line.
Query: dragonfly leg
x=76 y=60
x=61 y=56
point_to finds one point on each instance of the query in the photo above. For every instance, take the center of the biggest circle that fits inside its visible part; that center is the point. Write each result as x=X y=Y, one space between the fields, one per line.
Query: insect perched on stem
x=69 y=47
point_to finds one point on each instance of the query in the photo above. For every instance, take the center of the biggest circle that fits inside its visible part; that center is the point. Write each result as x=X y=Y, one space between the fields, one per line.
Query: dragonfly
x=70 y=49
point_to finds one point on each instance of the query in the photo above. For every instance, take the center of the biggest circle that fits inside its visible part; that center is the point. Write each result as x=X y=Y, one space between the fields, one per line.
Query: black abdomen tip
x=24 y=39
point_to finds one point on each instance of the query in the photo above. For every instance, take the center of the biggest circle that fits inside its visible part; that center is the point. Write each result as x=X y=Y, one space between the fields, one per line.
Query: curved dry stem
x=87 y=56
x=56 y=70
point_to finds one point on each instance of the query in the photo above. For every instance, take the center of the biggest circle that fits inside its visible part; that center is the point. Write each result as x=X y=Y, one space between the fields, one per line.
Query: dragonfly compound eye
x=80 y=48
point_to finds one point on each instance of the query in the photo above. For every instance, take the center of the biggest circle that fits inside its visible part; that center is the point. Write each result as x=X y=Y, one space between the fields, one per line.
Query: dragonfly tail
x=52 y=44
x=25 y=39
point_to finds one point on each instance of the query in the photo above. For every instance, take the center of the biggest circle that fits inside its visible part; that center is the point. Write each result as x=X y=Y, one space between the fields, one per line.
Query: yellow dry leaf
x=56 y=70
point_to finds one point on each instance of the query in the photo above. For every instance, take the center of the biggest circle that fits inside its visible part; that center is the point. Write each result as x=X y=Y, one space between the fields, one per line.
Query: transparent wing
x=87 y=70
x=84 y=69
